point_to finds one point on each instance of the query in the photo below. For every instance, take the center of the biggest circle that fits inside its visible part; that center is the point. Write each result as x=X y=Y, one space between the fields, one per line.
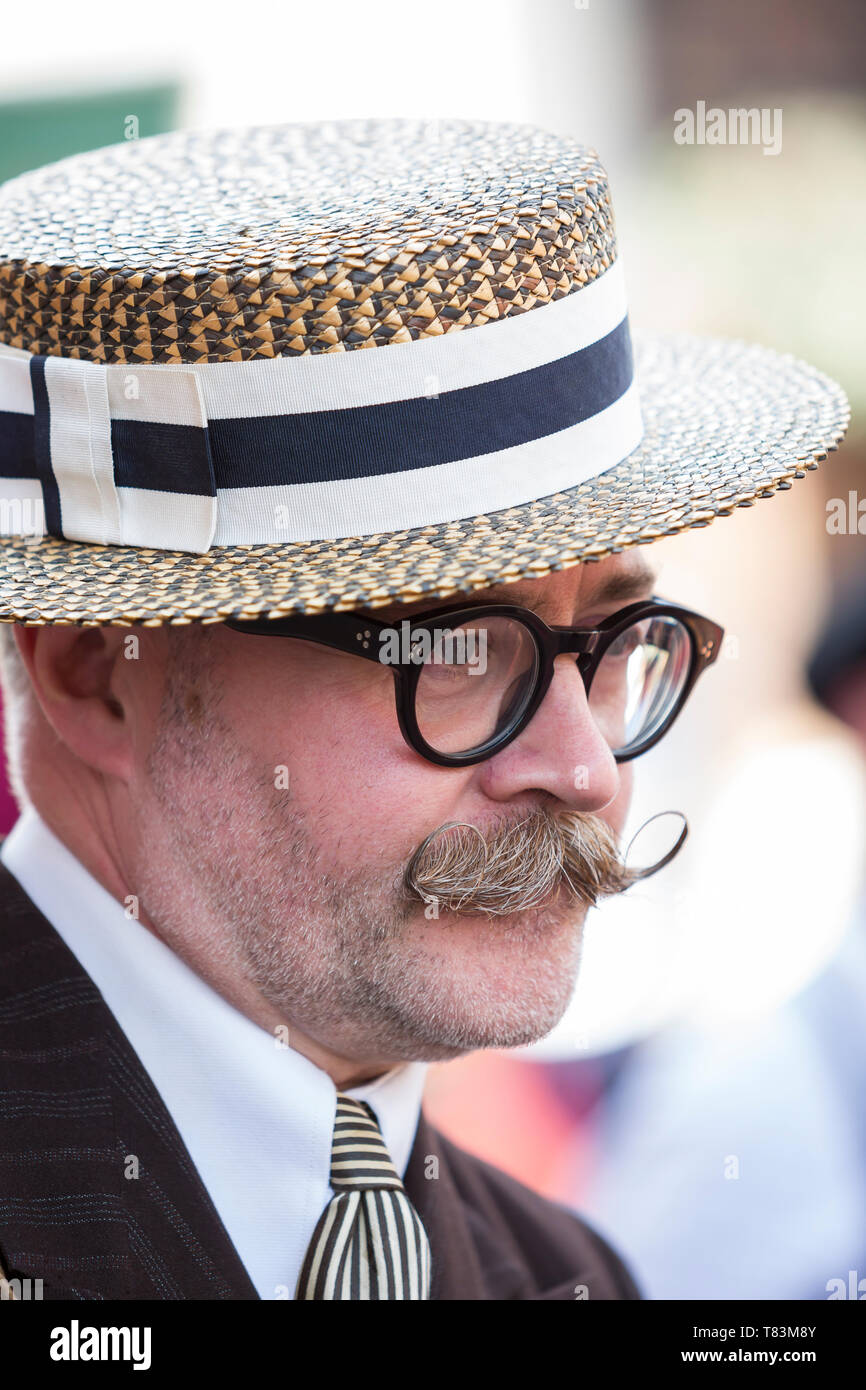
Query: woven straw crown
x=296 y=239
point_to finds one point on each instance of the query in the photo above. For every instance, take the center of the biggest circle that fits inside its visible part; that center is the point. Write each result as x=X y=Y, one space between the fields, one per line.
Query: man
x=322 y=727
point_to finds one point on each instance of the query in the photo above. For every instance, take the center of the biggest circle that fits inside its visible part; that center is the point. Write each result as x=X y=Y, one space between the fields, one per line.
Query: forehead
x=618 y=578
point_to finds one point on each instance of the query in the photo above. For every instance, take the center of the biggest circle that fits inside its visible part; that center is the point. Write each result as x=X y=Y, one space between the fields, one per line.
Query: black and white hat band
x=324 y=445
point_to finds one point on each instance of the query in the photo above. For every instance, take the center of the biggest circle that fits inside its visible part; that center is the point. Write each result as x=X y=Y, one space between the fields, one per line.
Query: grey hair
x=521 y=865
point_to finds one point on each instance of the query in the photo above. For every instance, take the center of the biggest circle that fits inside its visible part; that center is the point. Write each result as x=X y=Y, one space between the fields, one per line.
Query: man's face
x=278 y=806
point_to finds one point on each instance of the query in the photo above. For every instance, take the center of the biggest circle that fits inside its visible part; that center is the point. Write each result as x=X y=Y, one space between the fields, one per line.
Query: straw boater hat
x=331 y=365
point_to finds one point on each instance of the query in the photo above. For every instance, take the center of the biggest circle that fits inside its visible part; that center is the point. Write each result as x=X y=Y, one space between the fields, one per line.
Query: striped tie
x=369 y=1242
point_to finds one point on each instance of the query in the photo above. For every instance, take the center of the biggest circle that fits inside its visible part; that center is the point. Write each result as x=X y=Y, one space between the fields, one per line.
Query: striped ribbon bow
x=369 y=1242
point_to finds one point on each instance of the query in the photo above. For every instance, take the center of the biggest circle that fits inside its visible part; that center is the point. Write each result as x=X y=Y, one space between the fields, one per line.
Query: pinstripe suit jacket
x=76 y=1102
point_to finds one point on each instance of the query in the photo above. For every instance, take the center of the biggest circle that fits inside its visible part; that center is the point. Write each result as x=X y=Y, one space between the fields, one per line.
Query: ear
x=75 y=679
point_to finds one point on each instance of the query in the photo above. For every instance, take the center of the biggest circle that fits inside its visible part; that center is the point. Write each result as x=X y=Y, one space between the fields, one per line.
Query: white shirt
x=256 y=1116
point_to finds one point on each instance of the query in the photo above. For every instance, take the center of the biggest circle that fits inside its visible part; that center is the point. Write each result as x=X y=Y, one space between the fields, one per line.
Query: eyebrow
x=618 y=587
x=633 y=584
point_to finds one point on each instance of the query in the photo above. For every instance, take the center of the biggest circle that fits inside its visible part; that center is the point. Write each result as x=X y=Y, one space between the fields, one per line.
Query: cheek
x=365 y=795
x=377 y=808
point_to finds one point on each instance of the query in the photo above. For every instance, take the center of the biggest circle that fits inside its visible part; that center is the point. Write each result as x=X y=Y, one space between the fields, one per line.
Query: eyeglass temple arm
x=346 y=631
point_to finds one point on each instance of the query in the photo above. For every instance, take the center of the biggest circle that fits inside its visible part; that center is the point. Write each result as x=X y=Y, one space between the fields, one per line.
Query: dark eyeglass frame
x=359 y=635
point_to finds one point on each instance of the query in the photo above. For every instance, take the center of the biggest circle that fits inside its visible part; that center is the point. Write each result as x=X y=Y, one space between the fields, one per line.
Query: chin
x=494 y=982
x=518 y=1022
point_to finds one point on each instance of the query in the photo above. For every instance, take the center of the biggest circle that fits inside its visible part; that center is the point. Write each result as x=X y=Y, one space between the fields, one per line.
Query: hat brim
x=725 y=423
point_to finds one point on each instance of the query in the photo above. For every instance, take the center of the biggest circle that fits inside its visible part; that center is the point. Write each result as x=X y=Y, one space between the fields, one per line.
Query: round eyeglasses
x=468 y=680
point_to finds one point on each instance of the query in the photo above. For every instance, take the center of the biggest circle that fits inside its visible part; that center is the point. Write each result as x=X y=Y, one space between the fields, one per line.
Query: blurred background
x=704 y=1100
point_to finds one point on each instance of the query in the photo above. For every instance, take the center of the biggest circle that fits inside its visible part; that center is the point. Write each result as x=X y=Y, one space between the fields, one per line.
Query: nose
x=561 y=751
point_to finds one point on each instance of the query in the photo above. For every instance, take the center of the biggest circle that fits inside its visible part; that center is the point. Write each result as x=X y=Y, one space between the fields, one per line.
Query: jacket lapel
x=474 y=1254
x=430 y=1185
x=492 y=1238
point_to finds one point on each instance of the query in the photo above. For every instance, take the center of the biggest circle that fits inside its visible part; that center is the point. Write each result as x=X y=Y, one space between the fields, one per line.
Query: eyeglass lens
x=477 y=679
